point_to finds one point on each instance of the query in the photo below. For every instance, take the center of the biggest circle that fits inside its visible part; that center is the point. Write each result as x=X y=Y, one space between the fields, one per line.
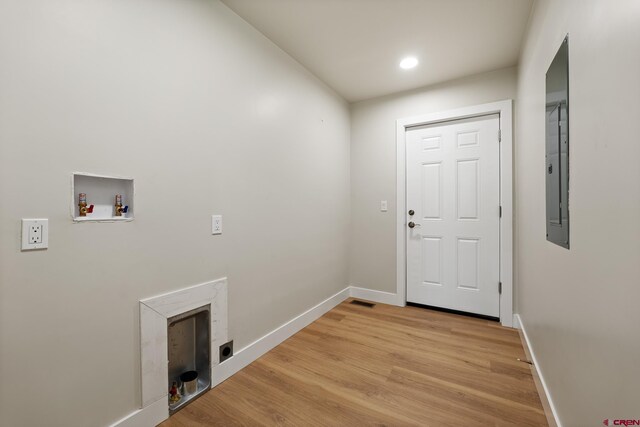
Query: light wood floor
x=385 y=365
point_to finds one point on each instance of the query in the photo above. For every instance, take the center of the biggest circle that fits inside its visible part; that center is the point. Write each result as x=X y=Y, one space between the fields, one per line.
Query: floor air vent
x=363 y=303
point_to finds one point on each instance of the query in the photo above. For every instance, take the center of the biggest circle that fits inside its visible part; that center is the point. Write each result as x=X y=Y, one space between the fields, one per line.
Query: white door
x=453 y=189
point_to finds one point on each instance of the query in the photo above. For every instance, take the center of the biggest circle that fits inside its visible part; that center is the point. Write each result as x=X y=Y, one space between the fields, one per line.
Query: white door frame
x=504 y=109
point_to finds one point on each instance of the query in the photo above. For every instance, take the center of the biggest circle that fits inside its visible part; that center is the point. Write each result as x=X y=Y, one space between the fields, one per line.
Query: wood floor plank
x=385 y=365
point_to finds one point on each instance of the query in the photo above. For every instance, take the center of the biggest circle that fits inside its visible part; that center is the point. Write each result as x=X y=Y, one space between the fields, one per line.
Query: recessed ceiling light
x=408 y=62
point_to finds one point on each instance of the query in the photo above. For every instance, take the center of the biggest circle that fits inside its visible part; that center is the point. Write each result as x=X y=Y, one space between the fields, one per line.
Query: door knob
x=413 y=224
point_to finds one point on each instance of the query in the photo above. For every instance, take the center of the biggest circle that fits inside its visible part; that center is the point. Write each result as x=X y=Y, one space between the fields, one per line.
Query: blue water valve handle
x=126 y=209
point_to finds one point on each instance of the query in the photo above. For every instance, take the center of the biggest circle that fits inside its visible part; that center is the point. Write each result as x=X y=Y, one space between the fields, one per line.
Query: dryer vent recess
x=226 y=351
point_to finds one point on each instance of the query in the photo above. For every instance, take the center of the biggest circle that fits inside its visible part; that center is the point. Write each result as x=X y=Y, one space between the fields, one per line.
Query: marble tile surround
x=154 y=313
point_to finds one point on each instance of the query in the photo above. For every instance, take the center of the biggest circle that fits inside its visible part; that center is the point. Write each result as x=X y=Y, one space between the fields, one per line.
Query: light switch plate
x=35 y=234
x=216 y=224
x=383 y=206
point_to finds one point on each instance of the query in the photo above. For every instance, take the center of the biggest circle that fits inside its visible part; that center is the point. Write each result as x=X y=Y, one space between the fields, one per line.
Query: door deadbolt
x=411 y=212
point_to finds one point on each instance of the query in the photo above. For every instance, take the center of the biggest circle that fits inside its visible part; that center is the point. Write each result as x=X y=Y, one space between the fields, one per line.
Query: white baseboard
x=149 y=416
x=262 y=345
x=545 y=397
x=516 y=322
x=375 y=296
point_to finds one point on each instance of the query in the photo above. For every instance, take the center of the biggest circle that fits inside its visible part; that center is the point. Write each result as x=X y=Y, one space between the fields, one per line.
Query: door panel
x=468 y=183
x=453 y=185
x=432 y=184
x=431 y=260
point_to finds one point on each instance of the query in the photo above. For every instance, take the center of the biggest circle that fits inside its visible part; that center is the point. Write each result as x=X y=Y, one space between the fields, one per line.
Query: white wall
x=580 y=306
x=209 y=117
x=373 y=165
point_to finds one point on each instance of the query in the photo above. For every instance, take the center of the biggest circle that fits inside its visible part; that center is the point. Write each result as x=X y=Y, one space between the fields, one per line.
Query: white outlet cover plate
x=26 y=227
x=216 y=224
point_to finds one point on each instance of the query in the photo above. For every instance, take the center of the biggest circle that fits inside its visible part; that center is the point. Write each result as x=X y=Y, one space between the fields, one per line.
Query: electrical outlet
x=216 y=224
x=35 y=234
x=226 y=351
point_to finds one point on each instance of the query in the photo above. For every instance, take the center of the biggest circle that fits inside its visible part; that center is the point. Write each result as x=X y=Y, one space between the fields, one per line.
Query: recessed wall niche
x=189 y=348
x=101 y=198
x=557 y=147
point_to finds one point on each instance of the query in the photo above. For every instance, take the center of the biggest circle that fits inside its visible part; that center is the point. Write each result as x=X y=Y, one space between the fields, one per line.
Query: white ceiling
x=355 y=46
